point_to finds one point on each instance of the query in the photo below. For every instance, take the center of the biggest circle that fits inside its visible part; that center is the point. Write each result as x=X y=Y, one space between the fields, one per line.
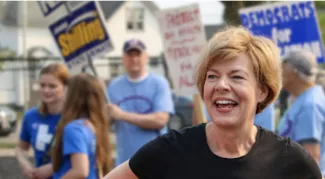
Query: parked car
x=8 y=121
x=183 y=112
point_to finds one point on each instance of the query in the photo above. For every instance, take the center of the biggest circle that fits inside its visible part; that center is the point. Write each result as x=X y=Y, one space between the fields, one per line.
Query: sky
x=211 y=10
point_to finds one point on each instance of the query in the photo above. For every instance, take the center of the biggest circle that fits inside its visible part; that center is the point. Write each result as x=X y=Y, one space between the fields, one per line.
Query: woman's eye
x=238 y=77
x=52 y=86
x=211 y=76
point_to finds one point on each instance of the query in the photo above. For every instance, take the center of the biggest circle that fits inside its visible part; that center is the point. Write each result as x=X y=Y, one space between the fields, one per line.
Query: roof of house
x=10 y=12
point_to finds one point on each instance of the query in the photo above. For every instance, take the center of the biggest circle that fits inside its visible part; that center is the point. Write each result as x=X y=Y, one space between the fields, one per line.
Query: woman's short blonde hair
x=228 y=43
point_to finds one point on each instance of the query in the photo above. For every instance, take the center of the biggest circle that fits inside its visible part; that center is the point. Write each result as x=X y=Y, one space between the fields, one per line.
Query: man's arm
x=148 y=121
x=313 y=148
x=308 y=132
x=155 y=120
x=162 y=108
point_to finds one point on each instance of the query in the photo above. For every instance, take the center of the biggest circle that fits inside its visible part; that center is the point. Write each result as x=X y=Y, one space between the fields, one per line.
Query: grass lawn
x=7 y=145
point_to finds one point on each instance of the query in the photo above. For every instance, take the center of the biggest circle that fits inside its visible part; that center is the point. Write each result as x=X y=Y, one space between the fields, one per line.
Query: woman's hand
x=21 y=156
x=28 y=171
x=43 y=172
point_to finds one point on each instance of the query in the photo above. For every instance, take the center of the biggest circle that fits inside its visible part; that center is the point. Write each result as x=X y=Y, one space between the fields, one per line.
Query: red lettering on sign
x=189 y=30
x=180 y=18
x=178 y=52
x=186 y=67
x=183 y=41
x=169 y=35
x=197 y=48
x=185 y=81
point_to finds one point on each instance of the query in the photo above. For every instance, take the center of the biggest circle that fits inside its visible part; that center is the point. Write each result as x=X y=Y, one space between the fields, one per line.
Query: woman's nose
x=222 y=84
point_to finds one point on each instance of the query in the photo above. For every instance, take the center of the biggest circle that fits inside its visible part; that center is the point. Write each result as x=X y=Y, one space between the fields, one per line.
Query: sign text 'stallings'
x=81 y=35
x=292 y=25
x=183 y=38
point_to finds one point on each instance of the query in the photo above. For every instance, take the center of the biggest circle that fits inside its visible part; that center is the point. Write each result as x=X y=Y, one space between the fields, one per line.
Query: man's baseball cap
x=133 y=44
x=303 y=61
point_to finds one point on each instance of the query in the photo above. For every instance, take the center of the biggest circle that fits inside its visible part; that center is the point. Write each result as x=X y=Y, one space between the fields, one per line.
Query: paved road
x=9 y=168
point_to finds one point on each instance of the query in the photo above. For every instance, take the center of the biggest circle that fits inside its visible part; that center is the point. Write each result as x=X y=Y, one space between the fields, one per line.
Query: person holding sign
x=82 y=148
x=239 y=74
x=304 y=121
x=38 y=126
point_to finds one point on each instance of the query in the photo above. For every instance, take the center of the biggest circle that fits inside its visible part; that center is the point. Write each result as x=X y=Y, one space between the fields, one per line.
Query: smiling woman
x=39 y=123
x=239 y=74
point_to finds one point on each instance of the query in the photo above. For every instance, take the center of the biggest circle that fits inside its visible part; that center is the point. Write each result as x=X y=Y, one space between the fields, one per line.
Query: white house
x=134 y=19
x=124 y=20
x=119 y=17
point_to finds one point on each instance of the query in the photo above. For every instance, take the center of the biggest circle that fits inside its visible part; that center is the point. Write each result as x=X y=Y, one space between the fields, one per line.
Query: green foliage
x=231 y=12
x=230 y=15
x=5 y=52
x=320 y=4
x=321 y=21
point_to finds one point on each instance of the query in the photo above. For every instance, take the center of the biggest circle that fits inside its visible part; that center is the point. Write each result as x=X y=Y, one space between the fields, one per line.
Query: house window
x=135 y=19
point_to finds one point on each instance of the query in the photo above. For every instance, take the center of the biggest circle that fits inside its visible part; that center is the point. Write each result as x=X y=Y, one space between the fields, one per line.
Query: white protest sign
x=183 y=38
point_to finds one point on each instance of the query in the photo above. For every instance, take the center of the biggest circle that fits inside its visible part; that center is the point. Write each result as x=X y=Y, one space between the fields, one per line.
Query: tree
x=320 y=7
x=5 y=52
x=231 y=10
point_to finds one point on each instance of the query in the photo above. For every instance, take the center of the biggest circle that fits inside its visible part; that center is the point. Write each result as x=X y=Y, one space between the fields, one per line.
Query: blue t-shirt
x=265 y=119
x=305 y=118
x=152 y=94
x=38 y=131
x=78 y=137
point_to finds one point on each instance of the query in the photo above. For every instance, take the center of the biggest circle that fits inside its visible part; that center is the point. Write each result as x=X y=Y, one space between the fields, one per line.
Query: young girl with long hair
x=39 y=123
x=82 y=148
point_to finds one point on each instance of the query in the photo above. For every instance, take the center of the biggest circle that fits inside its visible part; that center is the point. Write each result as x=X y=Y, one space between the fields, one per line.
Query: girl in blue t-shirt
x=82 y=148
x=39 y=123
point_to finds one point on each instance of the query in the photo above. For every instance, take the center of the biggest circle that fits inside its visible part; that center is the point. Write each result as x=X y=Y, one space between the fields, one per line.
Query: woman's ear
x=262 y=94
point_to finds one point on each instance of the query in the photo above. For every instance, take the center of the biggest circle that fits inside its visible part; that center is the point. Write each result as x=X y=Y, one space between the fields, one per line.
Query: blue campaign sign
x=292 y=25
x=81 y=35
x=47 y=7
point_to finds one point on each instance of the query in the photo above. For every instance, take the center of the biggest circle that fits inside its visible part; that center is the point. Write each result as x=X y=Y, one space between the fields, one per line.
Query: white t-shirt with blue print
x=305 y=119
x=78 y=137
x=265 y=119
x=151 y=94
